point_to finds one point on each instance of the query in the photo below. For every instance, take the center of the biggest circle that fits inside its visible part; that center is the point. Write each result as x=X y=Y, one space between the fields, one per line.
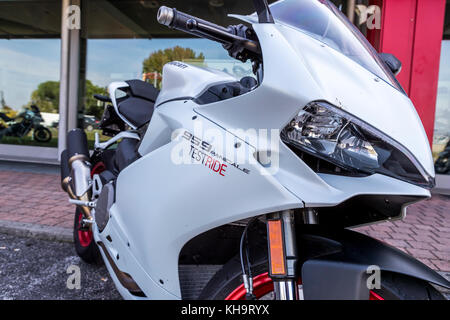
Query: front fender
x=352 y=247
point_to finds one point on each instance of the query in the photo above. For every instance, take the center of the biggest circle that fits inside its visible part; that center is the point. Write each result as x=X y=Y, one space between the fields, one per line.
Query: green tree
x=46 y=96
x=158 y=59
x=91 y=105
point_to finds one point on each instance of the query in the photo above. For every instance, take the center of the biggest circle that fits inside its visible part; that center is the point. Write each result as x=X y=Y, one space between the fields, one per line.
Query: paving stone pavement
x=34 y=198
x=424 y=233
x=37 y=198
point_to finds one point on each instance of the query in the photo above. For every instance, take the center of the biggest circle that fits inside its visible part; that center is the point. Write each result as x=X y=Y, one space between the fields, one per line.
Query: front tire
x=42 y=134
x=227 y=285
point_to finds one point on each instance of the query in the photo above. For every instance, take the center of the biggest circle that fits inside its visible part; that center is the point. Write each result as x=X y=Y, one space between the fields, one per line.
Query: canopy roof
x=103 y=19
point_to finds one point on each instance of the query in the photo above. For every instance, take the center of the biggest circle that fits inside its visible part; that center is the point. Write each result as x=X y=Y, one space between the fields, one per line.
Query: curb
x=36 y=231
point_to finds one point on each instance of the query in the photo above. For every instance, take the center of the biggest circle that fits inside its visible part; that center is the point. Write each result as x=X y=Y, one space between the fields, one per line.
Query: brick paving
x=424 y=233
x=34 y=198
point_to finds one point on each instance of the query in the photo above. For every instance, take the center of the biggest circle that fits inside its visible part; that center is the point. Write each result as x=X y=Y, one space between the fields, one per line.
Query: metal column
x=63 y=80
x=351 y=10
x=74 y=75
x=69 y=76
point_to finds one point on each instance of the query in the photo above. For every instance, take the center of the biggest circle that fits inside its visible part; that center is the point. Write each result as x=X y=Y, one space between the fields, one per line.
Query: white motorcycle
x=217 y=188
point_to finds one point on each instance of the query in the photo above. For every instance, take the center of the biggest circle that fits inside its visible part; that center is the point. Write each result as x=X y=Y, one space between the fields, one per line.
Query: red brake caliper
x=85 y=237
x=262 y=285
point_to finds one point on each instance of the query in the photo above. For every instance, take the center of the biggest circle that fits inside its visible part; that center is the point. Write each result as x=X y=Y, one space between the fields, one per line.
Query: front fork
x=283 y=256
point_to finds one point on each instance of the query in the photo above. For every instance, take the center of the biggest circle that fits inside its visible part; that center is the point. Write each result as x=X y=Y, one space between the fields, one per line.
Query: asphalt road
x=37 y=269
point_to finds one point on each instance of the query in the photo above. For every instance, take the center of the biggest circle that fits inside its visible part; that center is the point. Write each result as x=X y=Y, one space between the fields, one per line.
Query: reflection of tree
x=92 y=105
x=157 y=59
x=5 y=109
x=46 y=97
x=2 y=100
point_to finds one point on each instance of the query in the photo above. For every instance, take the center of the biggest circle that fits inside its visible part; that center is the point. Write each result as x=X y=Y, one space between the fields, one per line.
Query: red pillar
x=412 y=30
x=426 y=60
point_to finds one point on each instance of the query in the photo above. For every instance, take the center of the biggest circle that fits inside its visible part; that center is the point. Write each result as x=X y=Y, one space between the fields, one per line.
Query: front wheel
x=227 y=285
x=42 y=134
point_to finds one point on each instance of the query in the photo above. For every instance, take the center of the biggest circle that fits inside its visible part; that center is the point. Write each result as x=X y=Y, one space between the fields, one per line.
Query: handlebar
x=201 y=28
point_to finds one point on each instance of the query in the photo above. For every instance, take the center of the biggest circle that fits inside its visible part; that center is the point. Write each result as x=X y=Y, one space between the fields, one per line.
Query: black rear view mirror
x=392 y=62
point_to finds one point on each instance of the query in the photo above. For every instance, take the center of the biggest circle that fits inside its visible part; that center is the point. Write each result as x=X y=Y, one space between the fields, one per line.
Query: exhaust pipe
x=76 y=169
x=65 y=174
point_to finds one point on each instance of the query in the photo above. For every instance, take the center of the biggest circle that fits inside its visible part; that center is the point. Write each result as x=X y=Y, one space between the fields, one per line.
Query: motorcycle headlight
x=332 y=134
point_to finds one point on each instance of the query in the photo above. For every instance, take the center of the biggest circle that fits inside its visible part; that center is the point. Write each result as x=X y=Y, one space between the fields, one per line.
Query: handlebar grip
x=182 y=21
x=165 y=15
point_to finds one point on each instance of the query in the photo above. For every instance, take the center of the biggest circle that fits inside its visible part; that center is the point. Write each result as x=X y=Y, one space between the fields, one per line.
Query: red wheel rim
x=85 y=237
x=262 y=285
x=375 y=296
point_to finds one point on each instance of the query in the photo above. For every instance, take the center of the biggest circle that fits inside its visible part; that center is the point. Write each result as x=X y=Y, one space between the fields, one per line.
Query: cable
x=246 y=277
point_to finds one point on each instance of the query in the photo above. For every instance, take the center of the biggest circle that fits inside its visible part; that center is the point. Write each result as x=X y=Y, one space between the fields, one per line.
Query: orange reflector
x=276 y=247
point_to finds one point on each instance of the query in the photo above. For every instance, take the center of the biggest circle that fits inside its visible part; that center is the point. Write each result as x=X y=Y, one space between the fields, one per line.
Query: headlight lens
x=332 y=134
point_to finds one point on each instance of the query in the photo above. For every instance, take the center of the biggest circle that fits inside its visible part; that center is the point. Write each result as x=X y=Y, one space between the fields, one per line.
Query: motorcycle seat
x=138 y=106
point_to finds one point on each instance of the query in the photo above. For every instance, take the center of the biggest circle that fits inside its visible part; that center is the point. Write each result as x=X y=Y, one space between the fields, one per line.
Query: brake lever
x=194 y=25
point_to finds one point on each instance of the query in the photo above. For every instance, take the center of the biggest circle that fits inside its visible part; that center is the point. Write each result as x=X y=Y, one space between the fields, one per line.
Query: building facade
x=56 y=54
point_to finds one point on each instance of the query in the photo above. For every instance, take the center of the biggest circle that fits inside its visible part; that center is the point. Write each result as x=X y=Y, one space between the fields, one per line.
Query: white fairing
x=306 y=70
x=161 y=205
x=183 y=80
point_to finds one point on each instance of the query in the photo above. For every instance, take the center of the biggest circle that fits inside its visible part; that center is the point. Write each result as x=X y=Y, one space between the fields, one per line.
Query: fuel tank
x=182 y=80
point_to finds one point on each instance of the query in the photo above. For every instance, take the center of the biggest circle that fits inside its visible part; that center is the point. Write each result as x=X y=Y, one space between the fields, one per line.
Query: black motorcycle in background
x=30 y=119
x=442 y=164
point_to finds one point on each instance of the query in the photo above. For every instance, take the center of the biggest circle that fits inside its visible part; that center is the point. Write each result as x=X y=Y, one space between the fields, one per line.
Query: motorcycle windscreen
x=321 y=20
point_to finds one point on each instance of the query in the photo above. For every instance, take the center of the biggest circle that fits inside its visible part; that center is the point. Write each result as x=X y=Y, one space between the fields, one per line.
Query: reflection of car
x=90 y=123
x=442 y=164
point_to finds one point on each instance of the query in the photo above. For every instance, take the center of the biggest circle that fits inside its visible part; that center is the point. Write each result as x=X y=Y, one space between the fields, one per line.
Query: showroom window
x=121 y=40
x=29 y=72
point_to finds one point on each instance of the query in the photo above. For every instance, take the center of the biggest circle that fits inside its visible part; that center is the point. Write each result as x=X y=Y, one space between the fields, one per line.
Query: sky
x=24 y=63
x=115 y=60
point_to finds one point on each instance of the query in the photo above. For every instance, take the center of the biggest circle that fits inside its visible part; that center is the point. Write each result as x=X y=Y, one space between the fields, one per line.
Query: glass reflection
x=441 y=140
x=109 y=60
x=29 y=91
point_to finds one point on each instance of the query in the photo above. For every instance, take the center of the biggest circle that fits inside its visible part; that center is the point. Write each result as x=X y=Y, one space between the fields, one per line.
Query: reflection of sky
x=442 y=125
x=114 y=60
x=26 y=63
